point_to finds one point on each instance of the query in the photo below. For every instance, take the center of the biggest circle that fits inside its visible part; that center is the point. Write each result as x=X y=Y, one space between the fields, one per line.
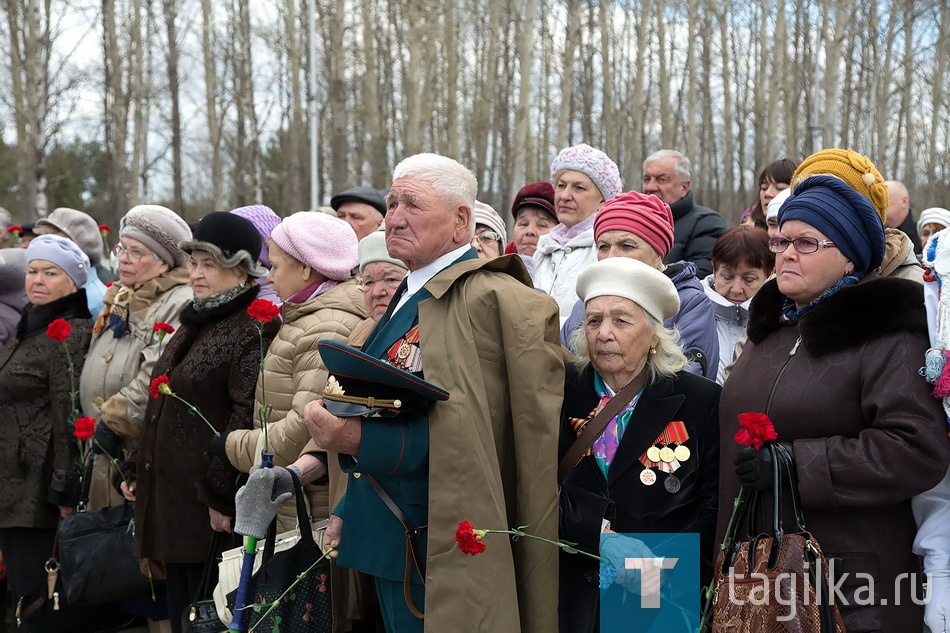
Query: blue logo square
x=650 y=584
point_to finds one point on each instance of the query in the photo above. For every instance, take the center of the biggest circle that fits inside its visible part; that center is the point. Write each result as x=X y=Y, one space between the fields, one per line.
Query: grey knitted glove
x=259 y=500
x=617 y=548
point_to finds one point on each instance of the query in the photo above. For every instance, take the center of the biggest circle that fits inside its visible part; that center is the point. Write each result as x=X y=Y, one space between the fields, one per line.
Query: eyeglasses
x=803 y=245
x=134 y=254
x=487 y=237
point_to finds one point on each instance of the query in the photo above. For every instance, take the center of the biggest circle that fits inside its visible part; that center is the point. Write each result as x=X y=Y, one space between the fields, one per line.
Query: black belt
x=412 y=546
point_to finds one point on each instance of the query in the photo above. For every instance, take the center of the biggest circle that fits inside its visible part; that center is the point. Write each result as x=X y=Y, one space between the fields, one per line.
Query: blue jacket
x=695 y=321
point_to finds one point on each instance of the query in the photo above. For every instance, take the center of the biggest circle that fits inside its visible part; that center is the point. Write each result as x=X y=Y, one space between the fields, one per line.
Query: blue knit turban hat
x=845 y=216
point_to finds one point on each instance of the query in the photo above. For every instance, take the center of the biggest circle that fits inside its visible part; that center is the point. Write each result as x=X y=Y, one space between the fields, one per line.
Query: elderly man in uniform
x=488 y=454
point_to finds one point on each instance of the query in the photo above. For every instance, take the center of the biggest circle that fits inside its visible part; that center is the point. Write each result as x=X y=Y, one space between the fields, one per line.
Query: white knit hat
x=630 y=279
x=776 y=203
x=487 y=216
x=372 y=248
x=933 y=215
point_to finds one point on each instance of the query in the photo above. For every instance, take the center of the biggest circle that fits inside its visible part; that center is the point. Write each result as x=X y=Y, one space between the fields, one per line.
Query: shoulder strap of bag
x=594 y=429
x=210 y=564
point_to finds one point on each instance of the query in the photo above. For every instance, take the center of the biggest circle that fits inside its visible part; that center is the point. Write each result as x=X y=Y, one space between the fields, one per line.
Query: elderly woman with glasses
x=490 y=234
x=152 y=288
x=833 y=358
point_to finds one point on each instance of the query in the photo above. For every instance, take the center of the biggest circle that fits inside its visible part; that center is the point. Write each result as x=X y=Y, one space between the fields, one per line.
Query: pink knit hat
x=323 y=242
x=647 y=217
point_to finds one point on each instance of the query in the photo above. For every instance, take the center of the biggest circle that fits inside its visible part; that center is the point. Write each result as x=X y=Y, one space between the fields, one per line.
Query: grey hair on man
x=454 y=182
x=683 y=167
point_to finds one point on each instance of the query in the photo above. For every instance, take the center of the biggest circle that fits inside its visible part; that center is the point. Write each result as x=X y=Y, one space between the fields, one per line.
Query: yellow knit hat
x=851 y=167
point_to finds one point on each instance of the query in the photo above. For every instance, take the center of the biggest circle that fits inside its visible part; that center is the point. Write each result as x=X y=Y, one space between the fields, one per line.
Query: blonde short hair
x=668 y=360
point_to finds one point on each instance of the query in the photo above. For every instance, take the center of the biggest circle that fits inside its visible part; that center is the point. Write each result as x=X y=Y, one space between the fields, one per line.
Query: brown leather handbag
x=773 y=581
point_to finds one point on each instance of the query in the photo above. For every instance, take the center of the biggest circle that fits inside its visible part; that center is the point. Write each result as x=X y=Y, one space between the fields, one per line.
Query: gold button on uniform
x=98 y=401
x=107 y=357
x=357 y=475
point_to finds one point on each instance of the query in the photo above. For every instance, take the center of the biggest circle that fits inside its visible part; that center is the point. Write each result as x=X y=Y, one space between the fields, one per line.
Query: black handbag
x=201 y=616
x=96 y=564
x=307 y=607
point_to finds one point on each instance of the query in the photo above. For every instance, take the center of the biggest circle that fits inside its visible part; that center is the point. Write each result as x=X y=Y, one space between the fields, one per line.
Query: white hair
x=682 y=163
x=668 y=360
x=452 y=180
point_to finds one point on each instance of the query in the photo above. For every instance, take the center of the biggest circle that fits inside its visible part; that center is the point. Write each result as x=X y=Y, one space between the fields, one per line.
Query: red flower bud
x=755 y=429
x=467 y=540
x=161 y=326
x=16 y=228
x=263 y=310
x=85 y=428
x=59 y=330
x=104 y=229
x=159 y=386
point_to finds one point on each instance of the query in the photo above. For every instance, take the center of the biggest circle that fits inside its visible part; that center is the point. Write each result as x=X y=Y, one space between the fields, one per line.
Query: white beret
x=776 y=203
x=630 y=279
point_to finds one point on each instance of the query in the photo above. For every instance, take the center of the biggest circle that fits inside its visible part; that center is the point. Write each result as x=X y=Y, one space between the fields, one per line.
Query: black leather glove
x=106 y=441
x=754 y=468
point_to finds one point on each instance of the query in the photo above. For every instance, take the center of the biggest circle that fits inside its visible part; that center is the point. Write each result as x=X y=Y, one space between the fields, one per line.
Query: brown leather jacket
x=843 y=388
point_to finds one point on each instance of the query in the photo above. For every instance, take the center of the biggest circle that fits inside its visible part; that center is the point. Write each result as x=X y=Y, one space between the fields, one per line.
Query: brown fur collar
x=876 y=307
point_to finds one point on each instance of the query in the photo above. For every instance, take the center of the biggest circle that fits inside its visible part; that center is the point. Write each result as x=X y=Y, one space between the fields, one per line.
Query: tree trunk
x=522 y=112
x=170 y=8
x=572 y=36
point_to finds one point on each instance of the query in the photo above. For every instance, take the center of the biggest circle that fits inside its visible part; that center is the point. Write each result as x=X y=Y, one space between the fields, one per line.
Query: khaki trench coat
x=492 y=342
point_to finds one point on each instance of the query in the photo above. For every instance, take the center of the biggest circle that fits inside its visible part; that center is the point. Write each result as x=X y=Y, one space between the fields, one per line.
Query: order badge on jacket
x=649 y=583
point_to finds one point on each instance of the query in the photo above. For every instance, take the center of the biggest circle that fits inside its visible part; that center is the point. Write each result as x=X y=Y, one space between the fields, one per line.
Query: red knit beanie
x=647 y=217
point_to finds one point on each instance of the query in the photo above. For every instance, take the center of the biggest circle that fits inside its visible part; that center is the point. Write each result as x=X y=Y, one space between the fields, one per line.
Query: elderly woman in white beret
x=490 y=234
x=653 y=468
x=152 y=288
x=38 y=454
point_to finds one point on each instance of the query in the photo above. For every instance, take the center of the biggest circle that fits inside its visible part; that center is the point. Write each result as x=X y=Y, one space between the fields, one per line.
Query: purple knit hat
x=264 y=220
x=594 y=164
x=323 y=242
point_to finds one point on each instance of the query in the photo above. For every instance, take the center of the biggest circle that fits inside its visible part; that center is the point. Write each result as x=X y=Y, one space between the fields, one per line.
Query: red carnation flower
x=59 y=330
x=467 y=540
x=163 y=328
x=16 y=228
x=85 y=428
x=109 y=284
x=755 y=429
x=263 y=310
x=159 y=386
x=104 y=229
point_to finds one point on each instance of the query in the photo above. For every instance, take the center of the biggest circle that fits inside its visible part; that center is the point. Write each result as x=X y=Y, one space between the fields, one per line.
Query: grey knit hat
x=80 y=227
x=160 y=229
x=62 y=252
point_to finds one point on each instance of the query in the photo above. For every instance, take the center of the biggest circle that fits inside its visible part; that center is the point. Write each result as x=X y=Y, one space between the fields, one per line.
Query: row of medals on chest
x=664 y=455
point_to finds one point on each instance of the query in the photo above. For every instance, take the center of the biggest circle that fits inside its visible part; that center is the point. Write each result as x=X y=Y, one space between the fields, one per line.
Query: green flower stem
x=151 y=582
x=296 y=581
x=194 y=411
x=114 y=462
x=705 y=621
x=567 y=547
x=264 y=410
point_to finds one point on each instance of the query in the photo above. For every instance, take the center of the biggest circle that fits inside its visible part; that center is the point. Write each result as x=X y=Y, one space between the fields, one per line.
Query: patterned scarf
x=792 y=315
x=605 y=446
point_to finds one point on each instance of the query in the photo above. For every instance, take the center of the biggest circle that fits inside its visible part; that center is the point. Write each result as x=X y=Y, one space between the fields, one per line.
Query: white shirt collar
x=416 y=279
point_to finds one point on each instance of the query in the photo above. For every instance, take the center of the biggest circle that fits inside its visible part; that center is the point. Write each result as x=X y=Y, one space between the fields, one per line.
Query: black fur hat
x=230 y=239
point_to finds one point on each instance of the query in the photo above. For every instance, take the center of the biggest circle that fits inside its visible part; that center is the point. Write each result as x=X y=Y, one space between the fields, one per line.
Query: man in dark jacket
x=666 y=174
